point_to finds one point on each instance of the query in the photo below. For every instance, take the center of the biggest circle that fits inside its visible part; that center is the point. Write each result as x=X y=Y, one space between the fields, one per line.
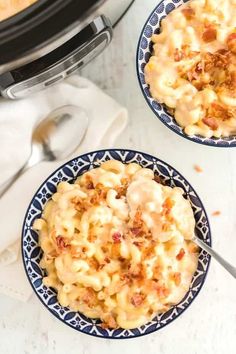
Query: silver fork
x=214 y=254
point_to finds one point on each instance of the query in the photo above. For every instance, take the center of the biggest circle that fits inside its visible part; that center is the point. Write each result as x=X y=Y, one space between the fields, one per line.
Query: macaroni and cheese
x=193 y=67
x=9 y=8
x=117 y=244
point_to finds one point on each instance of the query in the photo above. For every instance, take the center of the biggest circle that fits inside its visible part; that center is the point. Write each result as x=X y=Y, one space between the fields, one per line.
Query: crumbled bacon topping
x=137 y=300
x=178 y=55
x=126 y=278
x=176 y=278
x=109 y=322
x=115 y=250
x=93 y=263
x=90 y=185
x=122 y=190
x=162 y=291
x=61 y=243
x=209 y=34
x=116 y=237
x=136 y=231
x=188 y=12
x=211 y=122
x=158 y=179
x=137 y=221
x=167 y=206
x=89 y=297
x=192 y=75
x=216 y=213
x=181 y=254
x=231 y=42
x=135 y=270
x=157 y=271
x=199 y=67
x=138 y=244
x=221 y=112
x=193 y=248
x=197 y=168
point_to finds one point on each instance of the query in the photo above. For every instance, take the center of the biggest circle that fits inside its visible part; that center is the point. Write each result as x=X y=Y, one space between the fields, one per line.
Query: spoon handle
x=214 y=254
x=34 y=158
x=6 y=186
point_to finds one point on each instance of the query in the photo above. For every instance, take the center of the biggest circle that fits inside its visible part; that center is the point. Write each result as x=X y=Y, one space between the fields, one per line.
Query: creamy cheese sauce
x=117 y=244
x=192 y=69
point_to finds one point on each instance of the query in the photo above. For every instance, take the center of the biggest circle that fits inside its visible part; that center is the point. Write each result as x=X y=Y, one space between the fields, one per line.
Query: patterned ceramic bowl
x=144 y=51
x=32 y=253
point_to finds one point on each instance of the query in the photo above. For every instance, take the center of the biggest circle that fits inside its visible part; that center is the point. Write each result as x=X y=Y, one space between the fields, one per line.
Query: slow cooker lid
x=39 y=24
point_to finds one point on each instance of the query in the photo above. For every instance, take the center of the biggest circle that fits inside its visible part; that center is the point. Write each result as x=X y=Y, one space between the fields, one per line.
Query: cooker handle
x=67 y=59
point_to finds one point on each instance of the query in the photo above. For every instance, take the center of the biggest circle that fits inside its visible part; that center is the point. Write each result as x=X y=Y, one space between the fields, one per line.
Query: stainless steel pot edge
x=63 y=68
x=60 y=39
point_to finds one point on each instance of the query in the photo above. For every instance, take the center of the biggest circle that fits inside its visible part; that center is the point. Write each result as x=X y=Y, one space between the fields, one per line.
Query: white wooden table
x=209 y=325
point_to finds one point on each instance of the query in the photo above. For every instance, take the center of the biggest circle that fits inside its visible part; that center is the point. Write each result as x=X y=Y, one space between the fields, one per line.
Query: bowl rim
x=196 y=138
x=23 y=232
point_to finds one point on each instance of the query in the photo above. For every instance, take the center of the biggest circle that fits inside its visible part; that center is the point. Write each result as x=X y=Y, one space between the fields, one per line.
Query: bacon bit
x=152 y=284
x=231 y=42
x=211 y=122
x=136 y=230
x=178 y=55
x=219 y=111
x=138 y=222
x=127 y=278
x=116 y=237
x=94 y=200
x=61 y=244
x=233 y=79
x=158 y=271
x=199 y=67
x=223 y=51
x=107 y=260
x=177 y=278
x=198 y=169
x=167 y=206
x=121 y=190
x=89 y=297
x=158 y=179
x=115 y=250
x=138 y=244
x=162 y=291
x=209 y=35
x=193 y=248
x=93 y=263
x=188 y=12
x=135 y=270
x=109 y=322
x=169 y=203
x=90 y=185
x=192 y=75
x=216 y=213
x=137 y=300
x=181 y=254
x=148 y=252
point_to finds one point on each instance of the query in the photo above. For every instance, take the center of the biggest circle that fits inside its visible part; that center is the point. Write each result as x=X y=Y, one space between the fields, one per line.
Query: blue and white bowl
x=144 y=52
x=32 y=253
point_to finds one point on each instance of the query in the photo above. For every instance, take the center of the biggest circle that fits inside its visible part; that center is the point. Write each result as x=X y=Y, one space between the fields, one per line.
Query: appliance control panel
x=61 y=63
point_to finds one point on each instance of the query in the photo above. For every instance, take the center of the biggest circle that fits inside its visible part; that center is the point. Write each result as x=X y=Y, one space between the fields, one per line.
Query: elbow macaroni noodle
x=193 y=67
x=117 y=244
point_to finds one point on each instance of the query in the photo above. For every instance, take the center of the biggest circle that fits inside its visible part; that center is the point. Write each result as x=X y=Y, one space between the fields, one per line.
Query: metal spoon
x=54 y=138
x=214 y=254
